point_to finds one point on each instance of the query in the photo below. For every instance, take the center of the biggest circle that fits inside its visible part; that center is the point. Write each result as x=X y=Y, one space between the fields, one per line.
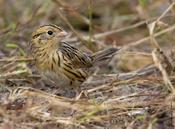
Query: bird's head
x=47 y=35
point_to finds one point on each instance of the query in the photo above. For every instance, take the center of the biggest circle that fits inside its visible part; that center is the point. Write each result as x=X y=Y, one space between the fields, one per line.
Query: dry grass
x=134 y=91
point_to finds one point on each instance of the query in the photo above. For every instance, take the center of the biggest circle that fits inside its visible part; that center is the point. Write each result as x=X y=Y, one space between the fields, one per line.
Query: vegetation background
x=134 y=91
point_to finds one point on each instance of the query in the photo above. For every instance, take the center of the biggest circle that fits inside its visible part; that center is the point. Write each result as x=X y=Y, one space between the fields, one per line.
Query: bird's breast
x=55 y=64
x=50 y=65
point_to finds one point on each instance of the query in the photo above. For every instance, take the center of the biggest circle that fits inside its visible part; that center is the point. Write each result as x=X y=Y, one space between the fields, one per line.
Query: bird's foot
x=83 y=93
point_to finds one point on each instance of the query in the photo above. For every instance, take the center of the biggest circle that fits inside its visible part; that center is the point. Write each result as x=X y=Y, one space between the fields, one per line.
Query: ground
x=134 y=90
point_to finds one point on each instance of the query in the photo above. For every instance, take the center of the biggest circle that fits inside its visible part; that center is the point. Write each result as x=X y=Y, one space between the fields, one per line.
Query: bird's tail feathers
x=104 y=55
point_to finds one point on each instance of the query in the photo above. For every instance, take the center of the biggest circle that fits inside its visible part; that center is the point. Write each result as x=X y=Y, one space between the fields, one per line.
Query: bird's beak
x=63 y=34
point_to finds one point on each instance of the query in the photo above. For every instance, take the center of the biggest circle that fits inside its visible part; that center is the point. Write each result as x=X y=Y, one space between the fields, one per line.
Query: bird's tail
x=101 y=56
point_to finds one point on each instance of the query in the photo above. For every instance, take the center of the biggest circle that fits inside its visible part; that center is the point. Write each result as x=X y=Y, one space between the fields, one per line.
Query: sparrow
x=61 y=59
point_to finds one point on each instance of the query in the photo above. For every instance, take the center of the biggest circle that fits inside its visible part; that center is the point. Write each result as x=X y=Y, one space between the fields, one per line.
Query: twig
x=72 y=11
x=110 y=78
x=90 y=24
x=102 y=35
x=166 y=11
x=69 y=24
x=135 y=43
x=159 y=63
x=159 y=57
x=16 y=60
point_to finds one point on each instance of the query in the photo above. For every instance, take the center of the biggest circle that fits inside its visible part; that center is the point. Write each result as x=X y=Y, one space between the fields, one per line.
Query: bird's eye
x=50 y=32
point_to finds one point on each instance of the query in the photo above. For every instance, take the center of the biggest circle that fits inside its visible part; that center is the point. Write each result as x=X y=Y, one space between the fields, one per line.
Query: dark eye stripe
x=37 y=35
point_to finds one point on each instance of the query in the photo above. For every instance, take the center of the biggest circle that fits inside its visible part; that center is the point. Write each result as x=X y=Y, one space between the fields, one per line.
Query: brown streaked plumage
x=58 y=57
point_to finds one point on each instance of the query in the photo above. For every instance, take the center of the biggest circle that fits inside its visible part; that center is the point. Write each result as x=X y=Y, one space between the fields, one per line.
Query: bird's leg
x=78 y=92
x=78 y=95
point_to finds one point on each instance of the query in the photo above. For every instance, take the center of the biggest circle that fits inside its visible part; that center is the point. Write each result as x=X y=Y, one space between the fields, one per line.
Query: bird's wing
x=76 y=58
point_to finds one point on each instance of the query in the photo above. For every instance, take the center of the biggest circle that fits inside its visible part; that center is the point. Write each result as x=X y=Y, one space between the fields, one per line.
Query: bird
x=62 y=59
